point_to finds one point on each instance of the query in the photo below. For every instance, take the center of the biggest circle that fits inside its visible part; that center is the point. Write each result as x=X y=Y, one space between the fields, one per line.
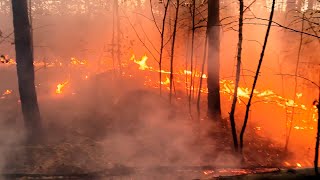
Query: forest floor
x=84 y=139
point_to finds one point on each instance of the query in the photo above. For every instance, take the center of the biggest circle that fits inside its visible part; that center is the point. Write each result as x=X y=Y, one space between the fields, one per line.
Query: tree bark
x=235 y=95
x=25 y=70
x=213 y=30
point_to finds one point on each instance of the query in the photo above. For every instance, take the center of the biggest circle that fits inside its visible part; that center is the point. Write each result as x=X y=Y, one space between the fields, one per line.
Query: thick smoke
x=105 y=121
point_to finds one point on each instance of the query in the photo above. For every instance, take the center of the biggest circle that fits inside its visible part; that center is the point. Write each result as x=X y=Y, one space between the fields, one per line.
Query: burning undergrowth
x=97 y=121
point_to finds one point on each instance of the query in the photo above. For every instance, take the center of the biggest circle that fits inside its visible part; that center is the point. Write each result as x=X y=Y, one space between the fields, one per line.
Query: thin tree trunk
x=202 y=72
x=296 y=85
x=187 y=68
x=31 y=23
x=235 y=94
x=172 y=48
x=214 y=108
x=162 y=43
x=25 y=70
x=256 y=77
x=113 y=35
x=316 y=154
x=192 y=49
x=116 y=11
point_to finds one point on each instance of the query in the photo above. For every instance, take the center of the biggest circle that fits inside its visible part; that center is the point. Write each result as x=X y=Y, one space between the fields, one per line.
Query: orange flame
x=8 y=91
x=75 y=61
x=166 y=82
x=142 y=62
x=60 y=87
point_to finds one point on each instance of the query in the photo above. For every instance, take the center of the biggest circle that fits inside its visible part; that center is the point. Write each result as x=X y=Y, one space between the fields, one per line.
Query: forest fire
x=137 y=88
x=227 y=87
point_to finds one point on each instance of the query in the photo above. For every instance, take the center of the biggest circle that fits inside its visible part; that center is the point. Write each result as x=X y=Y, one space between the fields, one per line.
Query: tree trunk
x=245 y=121
x=213 y=26
x=172 y=48
x=316 y=154
x=235 y=94
x=116 y=14
x=25 y=70
x=162 y=33
x=295 y=84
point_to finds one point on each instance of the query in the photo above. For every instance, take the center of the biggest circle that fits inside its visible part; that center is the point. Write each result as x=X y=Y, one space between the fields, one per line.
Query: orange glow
x=299 y=95
x=60 y=87
x=299 y=165
x=142 y=62
x=204 y=76
x=166 y=82
x=6 y=92
x=258 y=128
x=208 y=172
x=75 y=61
x=287 y=164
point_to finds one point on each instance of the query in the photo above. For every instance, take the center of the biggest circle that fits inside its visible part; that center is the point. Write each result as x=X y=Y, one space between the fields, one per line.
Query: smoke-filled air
x=159 y=89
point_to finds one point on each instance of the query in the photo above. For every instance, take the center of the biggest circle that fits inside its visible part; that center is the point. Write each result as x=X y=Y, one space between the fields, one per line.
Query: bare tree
x=192 y=49
x=116 y=21
x=162 y=33
x=296 y=83
x=213 y=30
x=316 y=154
x=25 y=70
x=256 y=77
x=173 y=45
x=235 y=94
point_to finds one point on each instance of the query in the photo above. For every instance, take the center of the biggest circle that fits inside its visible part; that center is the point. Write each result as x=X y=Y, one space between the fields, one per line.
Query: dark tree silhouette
x=25 y=70
x=256 y=77
x=235 y=95
x=213 y=30
x=316 y=154
x=172 y=47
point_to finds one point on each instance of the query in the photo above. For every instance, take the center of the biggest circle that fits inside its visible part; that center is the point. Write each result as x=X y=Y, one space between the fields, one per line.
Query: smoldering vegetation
x=118 y=128
x=107 y=122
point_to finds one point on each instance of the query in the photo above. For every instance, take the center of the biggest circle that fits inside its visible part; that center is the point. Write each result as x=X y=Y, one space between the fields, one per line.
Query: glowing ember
x=208 y=172
x=60 y=87
x=299 y=165
x=258 y=128
x=142 y=63
x=166 y=82
x=204 y=76
x=187 y=72
x=7 y=92
x=75 y=61
x=299 y=95
x=287 y=164
x=291 y=103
